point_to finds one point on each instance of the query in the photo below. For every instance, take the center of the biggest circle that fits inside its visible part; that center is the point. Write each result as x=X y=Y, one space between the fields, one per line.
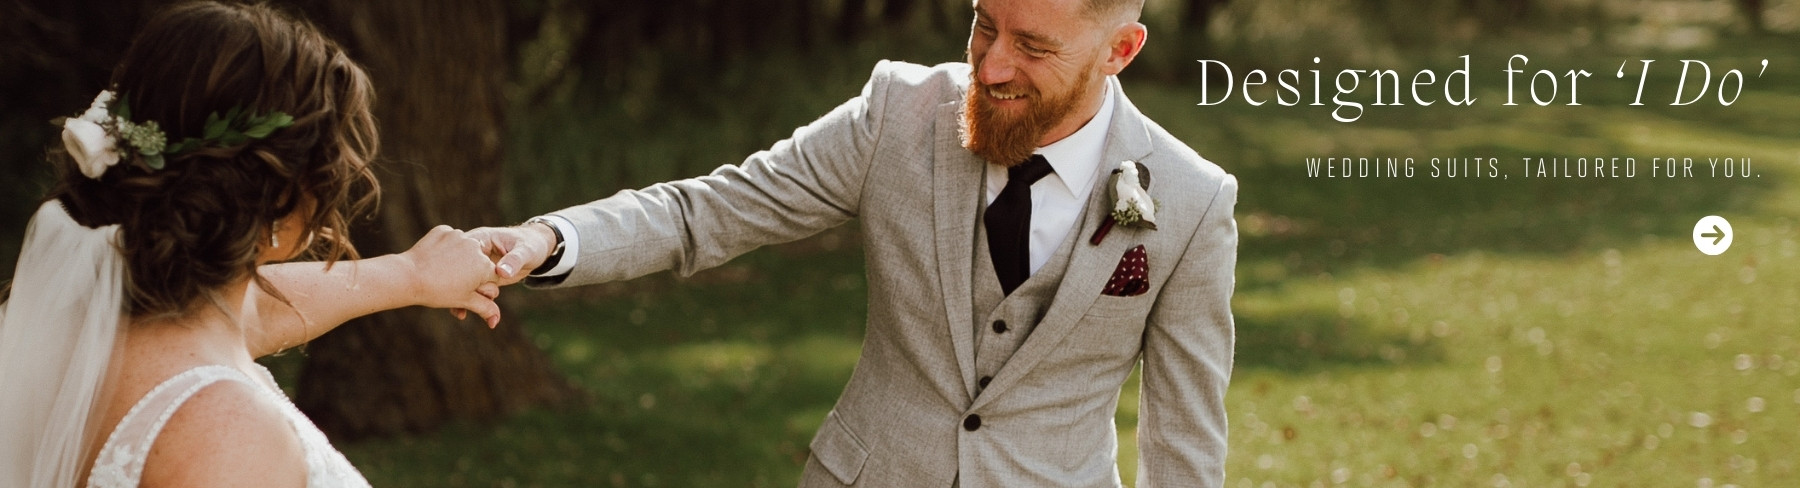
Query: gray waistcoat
x=1020 y=311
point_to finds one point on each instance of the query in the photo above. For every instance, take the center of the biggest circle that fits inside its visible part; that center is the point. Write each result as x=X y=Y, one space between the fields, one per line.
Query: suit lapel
x=1089 y=265
x=956 y=195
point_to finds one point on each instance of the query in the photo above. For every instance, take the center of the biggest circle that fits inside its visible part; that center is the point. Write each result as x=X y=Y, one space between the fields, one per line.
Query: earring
x=275 y=235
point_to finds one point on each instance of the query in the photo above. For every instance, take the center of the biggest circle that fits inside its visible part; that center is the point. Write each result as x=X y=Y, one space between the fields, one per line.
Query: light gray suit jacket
x=892 y=157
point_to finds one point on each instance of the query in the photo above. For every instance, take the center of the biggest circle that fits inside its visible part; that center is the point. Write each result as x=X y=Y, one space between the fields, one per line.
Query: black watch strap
x=556 y=254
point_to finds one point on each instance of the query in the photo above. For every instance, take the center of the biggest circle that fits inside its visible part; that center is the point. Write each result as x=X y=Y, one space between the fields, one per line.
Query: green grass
x=718 y=380
x=1391 y=332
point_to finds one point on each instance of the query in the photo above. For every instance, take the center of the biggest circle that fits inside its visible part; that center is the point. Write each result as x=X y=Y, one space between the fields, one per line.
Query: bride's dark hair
x=199 y=223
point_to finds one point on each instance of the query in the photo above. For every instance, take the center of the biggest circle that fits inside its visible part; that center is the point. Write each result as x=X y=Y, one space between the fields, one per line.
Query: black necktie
x=1008 y=223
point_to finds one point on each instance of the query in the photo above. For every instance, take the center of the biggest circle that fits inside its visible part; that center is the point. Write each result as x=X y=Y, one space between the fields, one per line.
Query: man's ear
x=1123 y=46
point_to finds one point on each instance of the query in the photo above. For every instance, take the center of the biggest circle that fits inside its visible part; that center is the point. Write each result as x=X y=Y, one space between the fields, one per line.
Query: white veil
x=58 y=333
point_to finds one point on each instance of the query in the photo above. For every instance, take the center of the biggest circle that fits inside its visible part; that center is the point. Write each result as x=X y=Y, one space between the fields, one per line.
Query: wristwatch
x=556 y=254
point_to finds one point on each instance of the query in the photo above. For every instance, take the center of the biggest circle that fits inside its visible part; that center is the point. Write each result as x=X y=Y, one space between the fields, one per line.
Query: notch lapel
x=956 y=198
x=1089 y=266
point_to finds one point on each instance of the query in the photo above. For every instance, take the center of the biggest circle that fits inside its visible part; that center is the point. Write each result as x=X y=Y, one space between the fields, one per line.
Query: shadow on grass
x=1307 y=341
x=719 y=379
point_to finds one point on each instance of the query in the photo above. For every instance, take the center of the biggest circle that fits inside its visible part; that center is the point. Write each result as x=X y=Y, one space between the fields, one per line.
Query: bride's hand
x=451 y=270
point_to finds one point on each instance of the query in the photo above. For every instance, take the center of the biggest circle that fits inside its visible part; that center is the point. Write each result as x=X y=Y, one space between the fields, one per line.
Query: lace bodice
x=121 y=459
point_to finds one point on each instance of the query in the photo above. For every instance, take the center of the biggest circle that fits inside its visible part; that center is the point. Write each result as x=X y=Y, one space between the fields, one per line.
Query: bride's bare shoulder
x=227 y=434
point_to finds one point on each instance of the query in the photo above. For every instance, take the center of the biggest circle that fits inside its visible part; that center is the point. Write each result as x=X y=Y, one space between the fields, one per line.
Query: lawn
x=1391 y=332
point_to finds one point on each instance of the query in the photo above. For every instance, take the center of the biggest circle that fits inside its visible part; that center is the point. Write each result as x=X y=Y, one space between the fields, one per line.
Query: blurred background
x=1391 y=332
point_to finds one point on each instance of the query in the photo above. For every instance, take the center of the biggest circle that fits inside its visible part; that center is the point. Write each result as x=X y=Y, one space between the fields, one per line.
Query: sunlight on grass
x=1615 y=368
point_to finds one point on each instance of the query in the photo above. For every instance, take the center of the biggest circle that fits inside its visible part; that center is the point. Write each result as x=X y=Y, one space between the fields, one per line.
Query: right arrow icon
x=1712 y=235
x=1716 y=234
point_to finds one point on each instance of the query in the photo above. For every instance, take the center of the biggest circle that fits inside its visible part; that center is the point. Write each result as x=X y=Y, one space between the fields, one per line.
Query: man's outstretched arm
x=802 y=185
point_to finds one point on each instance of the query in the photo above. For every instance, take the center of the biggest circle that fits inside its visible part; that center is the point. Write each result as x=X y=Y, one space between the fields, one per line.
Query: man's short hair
x=1101 y=9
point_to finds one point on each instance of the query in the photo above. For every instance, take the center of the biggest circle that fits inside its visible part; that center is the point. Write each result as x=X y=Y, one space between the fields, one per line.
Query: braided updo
x=198 y=223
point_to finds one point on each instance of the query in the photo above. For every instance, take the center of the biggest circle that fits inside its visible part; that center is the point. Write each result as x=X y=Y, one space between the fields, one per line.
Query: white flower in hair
x=97 y=111
x=104 y=134
x=87 y=140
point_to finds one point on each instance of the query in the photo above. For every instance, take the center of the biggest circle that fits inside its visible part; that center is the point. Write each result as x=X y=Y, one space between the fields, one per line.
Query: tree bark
x=851 y=20
x=1200 y=13
x=895 y=13
x=439 y=68
x=1753 y=13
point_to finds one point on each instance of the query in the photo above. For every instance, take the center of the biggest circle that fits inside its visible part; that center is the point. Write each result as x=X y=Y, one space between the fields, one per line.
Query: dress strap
x=120 y=463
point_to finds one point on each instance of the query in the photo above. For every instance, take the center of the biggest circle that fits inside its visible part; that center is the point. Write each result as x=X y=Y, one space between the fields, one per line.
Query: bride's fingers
x=489 y=289
x=459 y=313
x=484 y=307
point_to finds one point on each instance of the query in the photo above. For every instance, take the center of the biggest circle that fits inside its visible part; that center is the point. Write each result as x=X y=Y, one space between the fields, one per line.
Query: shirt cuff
x=571 y=247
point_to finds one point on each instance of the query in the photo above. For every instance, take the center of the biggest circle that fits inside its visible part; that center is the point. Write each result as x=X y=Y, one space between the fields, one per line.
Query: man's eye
x=1033 y=51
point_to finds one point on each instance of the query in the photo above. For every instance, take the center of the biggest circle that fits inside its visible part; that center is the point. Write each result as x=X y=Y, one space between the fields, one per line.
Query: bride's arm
x=445 y=269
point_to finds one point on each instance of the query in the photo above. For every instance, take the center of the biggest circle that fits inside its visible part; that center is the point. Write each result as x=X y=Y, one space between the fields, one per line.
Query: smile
x=998 y=95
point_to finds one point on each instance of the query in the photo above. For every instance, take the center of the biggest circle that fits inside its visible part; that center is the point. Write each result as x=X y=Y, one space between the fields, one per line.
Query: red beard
x=1008 y=139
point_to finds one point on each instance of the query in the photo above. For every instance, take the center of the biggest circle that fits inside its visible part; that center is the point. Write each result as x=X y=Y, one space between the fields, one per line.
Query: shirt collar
x=1076 y=158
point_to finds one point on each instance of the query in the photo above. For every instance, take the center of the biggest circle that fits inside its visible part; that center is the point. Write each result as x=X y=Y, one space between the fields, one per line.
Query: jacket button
x=999 y=326
x=972 y=422
x=985 y=380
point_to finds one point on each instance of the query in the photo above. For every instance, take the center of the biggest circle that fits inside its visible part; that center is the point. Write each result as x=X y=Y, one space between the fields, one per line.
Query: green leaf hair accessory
x=98 y=138
x=235 y=127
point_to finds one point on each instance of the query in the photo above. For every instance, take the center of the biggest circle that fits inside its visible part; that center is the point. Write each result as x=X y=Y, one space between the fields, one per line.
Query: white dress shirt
x=1057 y=200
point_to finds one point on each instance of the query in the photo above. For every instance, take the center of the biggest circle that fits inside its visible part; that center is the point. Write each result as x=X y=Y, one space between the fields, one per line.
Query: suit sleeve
x=802 y=185
x=1188 y=346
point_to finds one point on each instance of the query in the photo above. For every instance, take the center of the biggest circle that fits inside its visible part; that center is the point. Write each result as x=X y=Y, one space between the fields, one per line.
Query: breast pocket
x=1112 y=328
x=1107 y=306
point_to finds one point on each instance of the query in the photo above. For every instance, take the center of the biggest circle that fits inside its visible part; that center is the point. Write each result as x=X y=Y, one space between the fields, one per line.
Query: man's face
x=1036 y=77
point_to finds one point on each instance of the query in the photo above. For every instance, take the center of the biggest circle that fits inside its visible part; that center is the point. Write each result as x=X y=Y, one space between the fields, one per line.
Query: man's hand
x=516 y=250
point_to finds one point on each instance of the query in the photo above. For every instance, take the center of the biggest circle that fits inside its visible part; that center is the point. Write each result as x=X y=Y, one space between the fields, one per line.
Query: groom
x=1008 y=301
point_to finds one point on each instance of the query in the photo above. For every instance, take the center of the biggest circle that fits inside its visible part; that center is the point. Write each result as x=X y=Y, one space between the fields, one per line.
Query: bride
x=233 y=137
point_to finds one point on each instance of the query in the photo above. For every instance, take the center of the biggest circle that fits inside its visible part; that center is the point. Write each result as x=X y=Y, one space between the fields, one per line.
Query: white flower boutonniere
x=1132 y=205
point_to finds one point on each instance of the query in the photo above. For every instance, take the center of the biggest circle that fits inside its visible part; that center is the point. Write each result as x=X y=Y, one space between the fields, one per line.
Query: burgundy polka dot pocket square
x=1132 y=277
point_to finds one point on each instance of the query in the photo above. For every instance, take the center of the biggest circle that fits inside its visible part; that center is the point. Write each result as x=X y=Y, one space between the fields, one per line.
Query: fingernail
x=506 y=269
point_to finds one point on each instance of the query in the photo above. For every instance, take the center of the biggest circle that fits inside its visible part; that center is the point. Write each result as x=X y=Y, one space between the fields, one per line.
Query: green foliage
x=236 y=127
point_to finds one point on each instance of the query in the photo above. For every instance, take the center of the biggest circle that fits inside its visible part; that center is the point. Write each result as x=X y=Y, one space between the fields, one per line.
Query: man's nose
x=996 y=65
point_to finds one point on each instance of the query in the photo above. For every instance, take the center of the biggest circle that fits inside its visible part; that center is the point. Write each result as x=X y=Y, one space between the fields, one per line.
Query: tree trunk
x=851 y=20
x=439 y=68
x=1753 y=13
x=1200 y=13
x=895 y=13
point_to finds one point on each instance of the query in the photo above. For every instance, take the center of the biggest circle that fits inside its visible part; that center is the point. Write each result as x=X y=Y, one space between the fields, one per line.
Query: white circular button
x=1712 y=235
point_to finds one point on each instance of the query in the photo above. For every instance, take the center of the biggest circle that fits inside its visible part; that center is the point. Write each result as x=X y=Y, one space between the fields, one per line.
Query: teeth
x=1004 y=96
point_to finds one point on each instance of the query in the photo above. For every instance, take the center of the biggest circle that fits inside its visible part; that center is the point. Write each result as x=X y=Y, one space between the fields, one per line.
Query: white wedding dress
x=121 y=459
x=59 y=331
